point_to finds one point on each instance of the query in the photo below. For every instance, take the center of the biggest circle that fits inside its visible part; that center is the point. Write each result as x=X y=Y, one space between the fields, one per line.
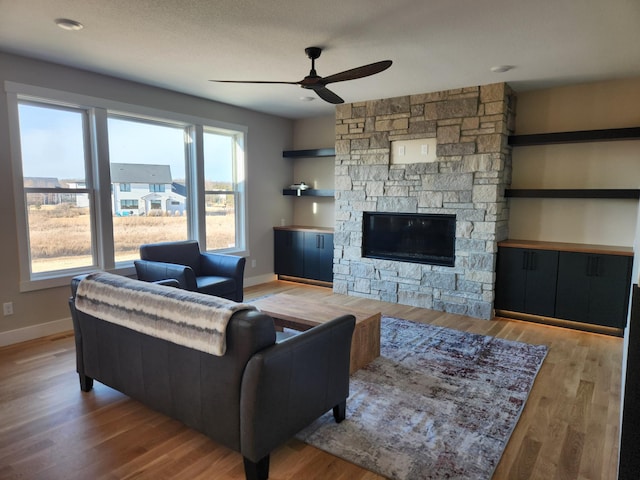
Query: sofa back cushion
x=182 y=253
x=192 y=319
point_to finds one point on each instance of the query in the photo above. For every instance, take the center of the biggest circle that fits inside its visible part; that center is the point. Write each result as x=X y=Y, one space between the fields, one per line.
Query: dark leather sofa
x=252 y=399
x=211 y=273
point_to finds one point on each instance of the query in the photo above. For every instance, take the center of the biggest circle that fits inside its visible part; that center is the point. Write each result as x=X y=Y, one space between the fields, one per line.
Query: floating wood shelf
x=575 y=137
x=308 y=193
x=573 y=193
x=316 y=152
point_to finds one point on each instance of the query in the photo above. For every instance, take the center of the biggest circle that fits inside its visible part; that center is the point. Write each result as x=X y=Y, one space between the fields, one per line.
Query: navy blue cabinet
x=589 y=285
x=304 y=254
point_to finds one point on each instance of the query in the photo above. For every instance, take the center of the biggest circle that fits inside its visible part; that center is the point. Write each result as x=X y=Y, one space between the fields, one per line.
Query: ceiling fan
x=319 y=84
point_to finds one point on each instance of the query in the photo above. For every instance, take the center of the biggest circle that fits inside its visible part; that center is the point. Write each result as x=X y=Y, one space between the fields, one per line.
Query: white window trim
x=97 y=110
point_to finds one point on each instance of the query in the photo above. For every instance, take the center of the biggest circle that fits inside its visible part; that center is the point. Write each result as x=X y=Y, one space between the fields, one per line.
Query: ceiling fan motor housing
x=313 y=52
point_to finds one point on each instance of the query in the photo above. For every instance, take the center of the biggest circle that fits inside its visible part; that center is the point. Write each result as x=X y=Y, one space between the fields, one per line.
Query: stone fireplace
x=467 y=178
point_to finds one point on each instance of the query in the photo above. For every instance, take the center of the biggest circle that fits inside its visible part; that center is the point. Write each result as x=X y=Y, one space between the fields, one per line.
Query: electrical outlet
x=253 y=264
x=7 y=308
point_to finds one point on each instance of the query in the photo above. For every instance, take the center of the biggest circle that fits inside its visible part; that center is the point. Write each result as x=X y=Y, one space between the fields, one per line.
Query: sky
x=52 y=145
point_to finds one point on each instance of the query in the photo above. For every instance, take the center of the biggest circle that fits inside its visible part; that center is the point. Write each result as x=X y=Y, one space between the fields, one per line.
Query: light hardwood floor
x=49 y=429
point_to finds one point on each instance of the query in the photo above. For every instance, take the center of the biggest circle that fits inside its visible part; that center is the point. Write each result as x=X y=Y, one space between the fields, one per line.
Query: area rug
x=437 y=404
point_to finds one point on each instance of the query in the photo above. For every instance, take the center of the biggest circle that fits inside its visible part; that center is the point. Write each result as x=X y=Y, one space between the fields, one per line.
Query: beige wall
x=317 y=172
x=44 y=311
x=613 y=104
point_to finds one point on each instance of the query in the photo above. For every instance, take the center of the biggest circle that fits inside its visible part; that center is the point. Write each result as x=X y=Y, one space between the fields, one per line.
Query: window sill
x=64 y=280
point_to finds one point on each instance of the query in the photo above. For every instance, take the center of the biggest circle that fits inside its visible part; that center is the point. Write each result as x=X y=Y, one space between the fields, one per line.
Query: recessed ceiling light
x=501 y=68
x=68 y=24
x=307 y=99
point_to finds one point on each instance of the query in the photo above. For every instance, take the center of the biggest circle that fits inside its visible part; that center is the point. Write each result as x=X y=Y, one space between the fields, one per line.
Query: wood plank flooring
x=49 y=429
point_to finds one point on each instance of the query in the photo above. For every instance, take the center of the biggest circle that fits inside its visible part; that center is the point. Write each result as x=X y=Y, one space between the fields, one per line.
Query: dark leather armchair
x=211 y=273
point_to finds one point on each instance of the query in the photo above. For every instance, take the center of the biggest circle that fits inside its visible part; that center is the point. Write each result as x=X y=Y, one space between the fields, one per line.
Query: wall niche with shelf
x=313 y=206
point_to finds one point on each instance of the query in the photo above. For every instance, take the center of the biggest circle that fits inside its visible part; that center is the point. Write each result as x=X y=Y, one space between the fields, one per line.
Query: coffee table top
x=307 y=311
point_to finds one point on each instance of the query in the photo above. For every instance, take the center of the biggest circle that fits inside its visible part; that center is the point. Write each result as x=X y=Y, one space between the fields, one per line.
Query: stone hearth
x=468 y=179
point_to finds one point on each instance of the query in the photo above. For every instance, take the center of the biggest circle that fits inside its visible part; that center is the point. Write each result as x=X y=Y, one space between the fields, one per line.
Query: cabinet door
x=526 y=280
x=511 y=278
x=288 y=253
x=572 y=298
x=610 y=284
x=594 y=288
x=318 y=260
x=542 y=276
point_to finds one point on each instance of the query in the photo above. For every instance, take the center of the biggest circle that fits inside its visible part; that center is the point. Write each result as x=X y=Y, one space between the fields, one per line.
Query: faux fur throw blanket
x=191 y=319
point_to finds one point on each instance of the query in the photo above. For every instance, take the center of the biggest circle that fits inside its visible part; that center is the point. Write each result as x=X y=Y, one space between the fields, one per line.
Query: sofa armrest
x=287 y=386
x=150 y=271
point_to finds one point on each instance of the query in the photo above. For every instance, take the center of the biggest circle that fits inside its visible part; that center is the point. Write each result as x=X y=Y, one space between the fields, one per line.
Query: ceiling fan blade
x=255 y=81
x=318 y=84
x=358 y=72
x=327 y=95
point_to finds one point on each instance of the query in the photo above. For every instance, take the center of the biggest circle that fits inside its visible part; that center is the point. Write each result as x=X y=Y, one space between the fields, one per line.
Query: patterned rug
x=437 y=403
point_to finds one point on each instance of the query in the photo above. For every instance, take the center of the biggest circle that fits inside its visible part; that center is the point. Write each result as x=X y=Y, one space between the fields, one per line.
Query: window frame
x=98 y=178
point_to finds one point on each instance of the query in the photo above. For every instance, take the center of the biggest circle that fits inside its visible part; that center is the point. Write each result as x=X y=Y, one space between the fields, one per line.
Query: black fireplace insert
x=410 y=237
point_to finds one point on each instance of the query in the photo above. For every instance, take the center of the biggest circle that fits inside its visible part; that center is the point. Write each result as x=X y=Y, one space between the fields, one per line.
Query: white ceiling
x=434 y=44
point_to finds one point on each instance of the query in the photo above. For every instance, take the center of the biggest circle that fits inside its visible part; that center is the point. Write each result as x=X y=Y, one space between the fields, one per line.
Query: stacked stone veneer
x=468 y=179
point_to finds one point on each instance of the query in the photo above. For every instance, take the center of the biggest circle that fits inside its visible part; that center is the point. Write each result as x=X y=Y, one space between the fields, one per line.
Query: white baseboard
x=35 y=331
x=267 y=277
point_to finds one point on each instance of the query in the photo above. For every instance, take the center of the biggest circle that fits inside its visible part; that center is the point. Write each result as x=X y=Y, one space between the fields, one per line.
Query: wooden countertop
x=568 y=247
x=303 y=228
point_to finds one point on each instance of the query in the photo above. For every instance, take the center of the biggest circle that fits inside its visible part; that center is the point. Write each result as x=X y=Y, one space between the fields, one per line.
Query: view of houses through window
x=152 y=206
x=148 y=181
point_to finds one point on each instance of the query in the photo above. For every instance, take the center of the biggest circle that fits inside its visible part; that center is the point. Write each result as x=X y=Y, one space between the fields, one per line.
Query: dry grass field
x=61 y=237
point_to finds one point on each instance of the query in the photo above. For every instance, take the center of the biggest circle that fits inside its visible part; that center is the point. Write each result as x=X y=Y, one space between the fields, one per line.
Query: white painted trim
x=35 y=331
x=114 y=106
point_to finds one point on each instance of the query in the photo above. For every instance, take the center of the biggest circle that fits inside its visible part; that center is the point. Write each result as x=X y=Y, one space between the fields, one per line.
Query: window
x=169 y=177
x=222 y=176
x=148 y=155
x=127 y=204
x=57 y=204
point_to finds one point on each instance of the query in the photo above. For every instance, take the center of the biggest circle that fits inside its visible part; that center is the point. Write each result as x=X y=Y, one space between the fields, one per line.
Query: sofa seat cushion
x=215 y=285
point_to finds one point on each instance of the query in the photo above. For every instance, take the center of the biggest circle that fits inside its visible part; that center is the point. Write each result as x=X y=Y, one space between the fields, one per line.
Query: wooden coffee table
x=299 y=313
